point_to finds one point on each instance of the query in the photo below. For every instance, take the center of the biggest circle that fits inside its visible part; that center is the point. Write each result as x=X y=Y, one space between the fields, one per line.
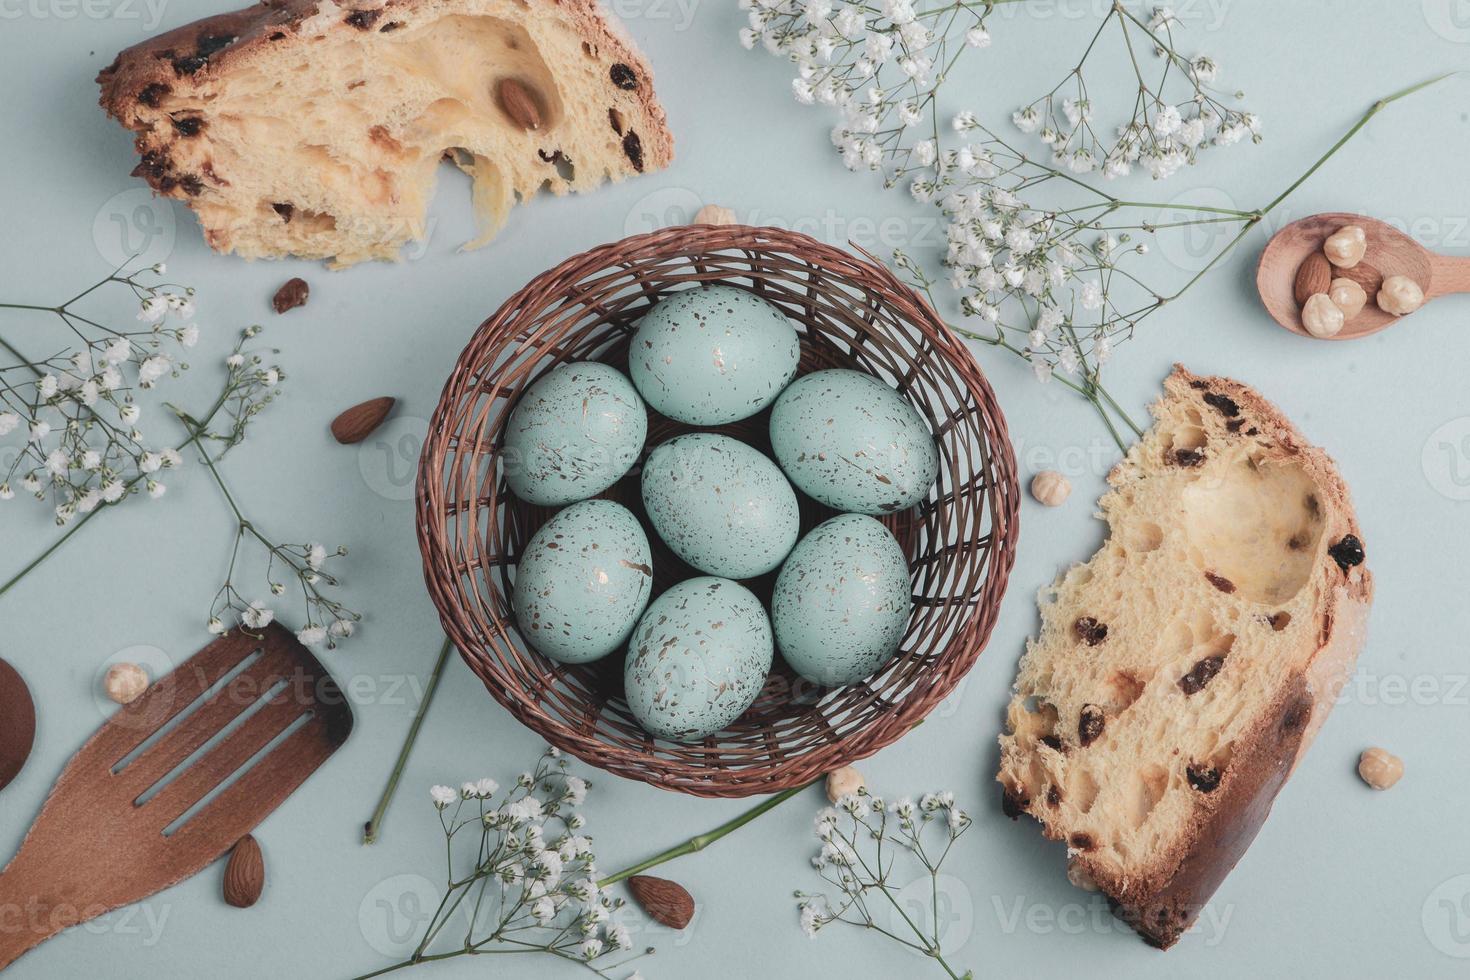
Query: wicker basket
x=851 y=312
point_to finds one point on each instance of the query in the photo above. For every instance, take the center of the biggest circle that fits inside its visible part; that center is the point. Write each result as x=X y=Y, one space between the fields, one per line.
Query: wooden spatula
x=123 y=821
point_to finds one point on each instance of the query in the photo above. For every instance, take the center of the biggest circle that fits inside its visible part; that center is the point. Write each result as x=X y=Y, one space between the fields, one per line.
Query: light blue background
x=1341 y=881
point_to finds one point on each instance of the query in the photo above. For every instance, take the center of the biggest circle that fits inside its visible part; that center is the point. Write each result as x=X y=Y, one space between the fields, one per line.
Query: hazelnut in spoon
x=1389 y=253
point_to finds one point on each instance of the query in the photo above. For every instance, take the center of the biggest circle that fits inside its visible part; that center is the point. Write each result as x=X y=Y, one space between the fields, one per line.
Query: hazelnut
x=1321 y=316
x=843 y=782
x=1051 y=488
x=125 y=683
x=1347 y=295
x=1346 y=246
x=1078 y=875
x=1380 y=769
x=1400 y=295
x=713 y=214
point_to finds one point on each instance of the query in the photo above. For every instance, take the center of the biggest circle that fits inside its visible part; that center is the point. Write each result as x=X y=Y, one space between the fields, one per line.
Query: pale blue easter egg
x=573 y=434
x=720 y=505
x=698 y=659
x=842 y=601
x=853 y=443
x=712 y=355
x=582 y=582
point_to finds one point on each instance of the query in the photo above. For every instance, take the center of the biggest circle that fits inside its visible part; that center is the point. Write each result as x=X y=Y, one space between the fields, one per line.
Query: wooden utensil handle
x=30 y=915
x=1451 y=275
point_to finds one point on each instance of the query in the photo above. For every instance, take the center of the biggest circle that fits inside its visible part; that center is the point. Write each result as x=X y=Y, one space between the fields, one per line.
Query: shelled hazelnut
x=843 y=782
x=1379 y=768
x=1050 y=488
x=125 y=683
x=1346 y=246
x=1347 y=295
x=1321 y=316
x=1400 y=295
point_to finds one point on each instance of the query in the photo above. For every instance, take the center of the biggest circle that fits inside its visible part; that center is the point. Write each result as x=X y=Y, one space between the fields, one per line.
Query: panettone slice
x=316 y=129
x=1181 y=673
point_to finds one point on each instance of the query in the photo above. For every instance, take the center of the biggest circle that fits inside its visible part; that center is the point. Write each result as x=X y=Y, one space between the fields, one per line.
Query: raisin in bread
x=1181 y=673
x=315 y=129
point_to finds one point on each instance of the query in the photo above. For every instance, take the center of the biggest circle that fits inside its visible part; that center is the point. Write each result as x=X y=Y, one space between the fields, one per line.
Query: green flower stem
x=702 y=841
x=371 y=828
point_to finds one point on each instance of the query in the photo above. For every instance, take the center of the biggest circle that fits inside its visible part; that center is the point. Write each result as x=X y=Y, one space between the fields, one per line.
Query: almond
x=293 y=294
x=1313 y=276
x=359 y=421
x=1364 y=275
x=665 y=901
x=245 y=874
x=519 y=104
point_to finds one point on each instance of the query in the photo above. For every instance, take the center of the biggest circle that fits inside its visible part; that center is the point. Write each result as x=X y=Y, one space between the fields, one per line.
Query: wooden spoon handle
x=1451 y=275
x=30 y=914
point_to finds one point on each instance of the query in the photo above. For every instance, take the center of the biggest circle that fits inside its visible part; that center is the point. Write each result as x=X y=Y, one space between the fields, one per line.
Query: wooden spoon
x=1390 y=251
x=17 y=723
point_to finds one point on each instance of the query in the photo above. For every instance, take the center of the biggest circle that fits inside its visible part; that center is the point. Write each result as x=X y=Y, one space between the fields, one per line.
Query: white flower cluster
x=529 y=844
x=74 y=418
x=861 y=836
x=1029 y=249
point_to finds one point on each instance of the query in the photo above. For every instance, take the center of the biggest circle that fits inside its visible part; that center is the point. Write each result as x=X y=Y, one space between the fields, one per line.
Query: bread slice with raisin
x=1181 y=673
x=316 y=128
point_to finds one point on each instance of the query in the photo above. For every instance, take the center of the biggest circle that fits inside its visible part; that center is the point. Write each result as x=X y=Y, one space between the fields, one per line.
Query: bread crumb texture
x=316 y=129
x=1182 y=671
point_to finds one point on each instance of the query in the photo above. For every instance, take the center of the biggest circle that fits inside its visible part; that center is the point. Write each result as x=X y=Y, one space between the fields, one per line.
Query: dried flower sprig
x=75 y=414
x=524 y=873
x=82 y=450
x=252 y=383
x=865 y=842
x=1044 y=260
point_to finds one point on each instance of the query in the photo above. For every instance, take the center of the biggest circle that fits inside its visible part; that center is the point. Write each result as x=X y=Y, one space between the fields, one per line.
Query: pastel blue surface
x=1341 y=882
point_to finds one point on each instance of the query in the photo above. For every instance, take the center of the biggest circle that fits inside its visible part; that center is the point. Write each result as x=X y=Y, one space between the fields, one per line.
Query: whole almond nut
x=665 y=901
x=1364 y=275
x=293 y=294
x=519 y=104
x=359 y=421
x=1313 y=276
x=245 y=874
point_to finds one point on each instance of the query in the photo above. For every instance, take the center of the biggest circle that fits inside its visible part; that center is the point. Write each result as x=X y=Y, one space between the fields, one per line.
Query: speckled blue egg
x=698 y=659
x=713 y=355
x=573 y=434
x=720 y=505
x=582 y=582
x=853 y=443
x=842 y=601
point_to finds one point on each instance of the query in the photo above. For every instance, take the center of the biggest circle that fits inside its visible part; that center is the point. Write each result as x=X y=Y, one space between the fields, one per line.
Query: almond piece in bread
x=1181 y=673
x=316 y=129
